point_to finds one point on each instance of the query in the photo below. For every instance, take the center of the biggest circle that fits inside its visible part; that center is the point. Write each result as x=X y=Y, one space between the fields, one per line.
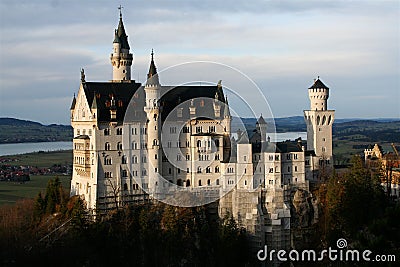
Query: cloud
x=281 y=45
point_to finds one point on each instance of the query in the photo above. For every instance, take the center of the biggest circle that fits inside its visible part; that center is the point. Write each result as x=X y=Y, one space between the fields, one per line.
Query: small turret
x=318 y=94
x=93 y=108
x=261 y=127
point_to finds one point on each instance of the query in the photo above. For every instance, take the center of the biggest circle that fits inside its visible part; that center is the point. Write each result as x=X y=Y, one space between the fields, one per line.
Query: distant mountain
x=18 y=122
x=23 y=131
x=297 y=123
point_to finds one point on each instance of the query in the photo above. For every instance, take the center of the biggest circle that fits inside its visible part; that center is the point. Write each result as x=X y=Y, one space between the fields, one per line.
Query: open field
x=42 y=159
x=10 y=192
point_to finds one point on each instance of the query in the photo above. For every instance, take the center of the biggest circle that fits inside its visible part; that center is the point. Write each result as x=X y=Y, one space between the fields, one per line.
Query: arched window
x=155 y=142
x=107 y=146
x=217 y=182
x=123 y=159
x=198 y=169
x=208 y=182
x=217 y=169
x=187 y=183
x=107 y=160
x=198 y=143
x=199 y=182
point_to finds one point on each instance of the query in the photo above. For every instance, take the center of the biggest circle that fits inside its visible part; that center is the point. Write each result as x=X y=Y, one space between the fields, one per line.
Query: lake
x=22 y=148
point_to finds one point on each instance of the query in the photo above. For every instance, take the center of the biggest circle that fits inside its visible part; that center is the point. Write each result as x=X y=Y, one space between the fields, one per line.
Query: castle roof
x=318 y=84
x=202 y=98
x=104 y=92
x=121 y=34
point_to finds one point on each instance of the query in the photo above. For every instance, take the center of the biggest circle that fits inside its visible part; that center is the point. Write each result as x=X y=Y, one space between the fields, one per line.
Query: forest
x=54 y=229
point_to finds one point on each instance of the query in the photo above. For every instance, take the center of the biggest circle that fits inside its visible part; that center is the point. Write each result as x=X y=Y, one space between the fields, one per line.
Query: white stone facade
x=126 y=147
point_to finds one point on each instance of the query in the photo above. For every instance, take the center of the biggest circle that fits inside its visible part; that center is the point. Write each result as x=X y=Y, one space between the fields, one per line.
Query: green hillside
x=22 y=131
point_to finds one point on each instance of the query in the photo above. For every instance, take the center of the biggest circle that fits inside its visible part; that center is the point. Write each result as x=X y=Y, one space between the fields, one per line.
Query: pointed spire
x=73 y=103
x=227 y=112
x=152 y=76
x=94 y=103
x=121 y=31
x=152 y=69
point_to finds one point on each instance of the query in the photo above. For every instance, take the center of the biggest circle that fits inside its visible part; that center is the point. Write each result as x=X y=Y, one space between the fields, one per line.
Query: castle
x=174 y=143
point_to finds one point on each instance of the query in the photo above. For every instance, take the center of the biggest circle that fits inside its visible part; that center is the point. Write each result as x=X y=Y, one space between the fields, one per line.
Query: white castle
x=134 y=142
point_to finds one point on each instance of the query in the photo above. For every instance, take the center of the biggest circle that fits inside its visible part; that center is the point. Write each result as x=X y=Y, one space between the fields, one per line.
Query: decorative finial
x=120 y=11
x=83 y=75
x=318 y=77
x=152 y=54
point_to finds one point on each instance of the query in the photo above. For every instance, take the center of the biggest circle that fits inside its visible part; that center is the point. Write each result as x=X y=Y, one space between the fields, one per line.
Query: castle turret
x=261 y=127
x=318 y=94
x=121 y=58
x=152 y=109
x=319 y=121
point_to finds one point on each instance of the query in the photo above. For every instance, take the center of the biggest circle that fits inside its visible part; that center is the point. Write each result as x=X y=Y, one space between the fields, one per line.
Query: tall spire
x=152 y=76
x=121 y=58
x=121 y=31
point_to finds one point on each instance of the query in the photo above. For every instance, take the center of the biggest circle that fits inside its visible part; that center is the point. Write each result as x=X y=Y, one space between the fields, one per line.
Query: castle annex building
x=136 y=141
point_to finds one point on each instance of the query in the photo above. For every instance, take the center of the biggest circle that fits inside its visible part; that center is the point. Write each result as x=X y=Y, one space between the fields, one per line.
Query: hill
x=23 y=131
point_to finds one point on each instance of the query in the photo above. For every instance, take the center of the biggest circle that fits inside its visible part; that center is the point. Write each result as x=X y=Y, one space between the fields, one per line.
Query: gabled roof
x=104 y=91
x=318 y=84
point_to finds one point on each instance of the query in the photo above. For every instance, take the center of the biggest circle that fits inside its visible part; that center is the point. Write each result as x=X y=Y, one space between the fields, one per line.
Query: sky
x=277 y=47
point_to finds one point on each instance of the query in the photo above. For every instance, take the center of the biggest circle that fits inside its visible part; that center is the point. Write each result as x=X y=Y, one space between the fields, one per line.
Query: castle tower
x=261 y=127
x=152 y=109
x=121 y=58
x=319 y=121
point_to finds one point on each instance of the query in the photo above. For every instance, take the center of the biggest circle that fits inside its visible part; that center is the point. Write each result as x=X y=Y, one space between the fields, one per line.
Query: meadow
x=10 y=192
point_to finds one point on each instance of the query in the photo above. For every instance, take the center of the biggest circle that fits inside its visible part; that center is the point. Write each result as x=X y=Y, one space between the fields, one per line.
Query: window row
x=89 y=132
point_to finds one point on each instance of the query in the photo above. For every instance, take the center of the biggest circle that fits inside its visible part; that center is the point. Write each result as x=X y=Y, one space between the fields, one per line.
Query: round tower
x=121 y=58
x=152 y=109
x=318 y=94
